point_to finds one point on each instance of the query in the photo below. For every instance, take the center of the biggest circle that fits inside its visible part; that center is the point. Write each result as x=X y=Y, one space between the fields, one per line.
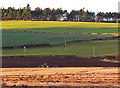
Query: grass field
x=27 y=38
x=61 y=27
x=102 y=48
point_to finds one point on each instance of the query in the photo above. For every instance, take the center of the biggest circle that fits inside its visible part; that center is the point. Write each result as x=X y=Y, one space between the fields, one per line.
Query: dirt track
x=74 y=76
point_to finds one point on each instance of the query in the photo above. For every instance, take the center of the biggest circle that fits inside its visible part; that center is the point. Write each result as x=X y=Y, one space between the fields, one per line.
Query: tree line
x=58 y=14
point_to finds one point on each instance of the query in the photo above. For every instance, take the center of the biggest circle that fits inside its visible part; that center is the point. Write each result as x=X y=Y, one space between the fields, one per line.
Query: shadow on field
x=59 y=61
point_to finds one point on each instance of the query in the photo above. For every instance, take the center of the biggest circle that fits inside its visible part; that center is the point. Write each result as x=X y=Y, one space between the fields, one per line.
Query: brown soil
x=59 y=61
x=74 y=76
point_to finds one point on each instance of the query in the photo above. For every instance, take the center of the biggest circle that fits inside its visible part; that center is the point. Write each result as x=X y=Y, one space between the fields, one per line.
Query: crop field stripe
x=45 y=45
x=27 y=38
x=61 y=27
x=102 y=48
x=51 y=24
x=59 y=34
x=115 y=34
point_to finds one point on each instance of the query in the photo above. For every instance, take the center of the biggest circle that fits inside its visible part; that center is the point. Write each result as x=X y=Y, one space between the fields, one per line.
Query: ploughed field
x=54 y=34
x=71 y=76
x=59 y=61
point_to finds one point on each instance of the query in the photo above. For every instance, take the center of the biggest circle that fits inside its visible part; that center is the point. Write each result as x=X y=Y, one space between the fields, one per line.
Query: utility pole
x=93 y=51
x=24 y=50
x=65 y=46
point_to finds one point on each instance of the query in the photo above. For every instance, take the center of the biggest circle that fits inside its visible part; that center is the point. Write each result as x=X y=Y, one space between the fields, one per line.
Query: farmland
x=81 y=76
x=17 y=33
x=56 y=48
x=102 y=48
x=61 y=27
x=78 y=68
x=26 y=38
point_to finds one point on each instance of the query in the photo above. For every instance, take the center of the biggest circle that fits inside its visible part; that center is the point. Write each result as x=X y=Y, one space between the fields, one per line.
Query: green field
x=61 y=27
x=27 y=38
x=102 y=48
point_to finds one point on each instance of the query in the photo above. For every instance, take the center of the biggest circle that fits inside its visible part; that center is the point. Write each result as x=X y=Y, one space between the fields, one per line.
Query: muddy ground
x=59 y=61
